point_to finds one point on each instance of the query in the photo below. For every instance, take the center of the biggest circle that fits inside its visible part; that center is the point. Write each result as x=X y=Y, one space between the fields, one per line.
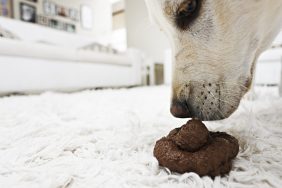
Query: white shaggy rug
x=105 y=139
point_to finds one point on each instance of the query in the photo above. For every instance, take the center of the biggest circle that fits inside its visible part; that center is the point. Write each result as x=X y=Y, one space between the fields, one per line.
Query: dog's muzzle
x=202 y=101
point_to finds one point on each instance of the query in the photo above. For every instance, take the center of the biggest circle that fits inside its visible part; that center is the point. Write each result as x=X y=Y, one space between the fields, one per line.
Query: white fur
x=220 y=47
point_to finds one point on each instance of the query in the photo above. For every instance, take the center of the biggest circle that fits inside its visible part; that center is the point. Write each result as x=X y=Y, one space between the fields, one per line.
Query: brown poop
x=192 y=148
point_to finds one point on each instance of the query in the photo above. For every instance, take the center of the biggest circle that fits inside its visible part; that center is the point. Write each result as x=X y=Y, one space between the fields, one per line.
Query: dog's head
x=215 y=45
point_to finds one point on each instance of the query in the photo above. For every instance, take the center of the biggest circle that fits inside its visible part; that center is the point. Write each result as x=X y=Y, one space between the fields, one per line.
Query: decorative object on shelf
x=61 y=26
x=86 y=17
x=52 y=9
x=53 y=23
x=56 y=24
x=27 y=12
x=67 y=13
x=42 y=20
x=73 y=14
x=46 y=7
x=71 y=28
x=6 y=8
x=62 y=11
x=49 y=8
x=44 y=12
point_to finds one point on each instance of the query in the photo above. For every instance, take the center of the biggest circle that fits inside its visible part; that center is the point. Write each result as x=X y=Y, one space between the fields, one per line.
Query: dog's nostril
x=179 y=109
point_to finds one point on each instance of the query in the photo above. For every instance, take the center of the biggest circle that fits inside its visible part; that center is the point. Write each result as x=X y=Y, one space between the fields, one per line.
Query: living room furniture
x=44 y=59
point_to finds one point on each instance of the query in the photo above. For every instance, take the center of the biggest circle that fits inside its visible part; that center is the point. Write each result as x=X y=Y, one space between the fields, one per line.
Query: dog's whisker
x=224 y=101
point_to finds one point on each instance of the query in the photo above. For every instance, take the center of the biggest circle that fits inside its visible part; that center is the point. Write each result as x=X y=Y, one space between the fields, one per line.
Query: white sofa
x=52 y=60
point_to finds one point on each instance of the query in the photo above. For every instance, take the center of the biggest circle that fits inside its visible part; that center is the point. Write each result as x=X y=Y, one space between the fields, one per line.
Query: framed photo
x=70 y=28
x=62 y=11
x=61 y=26
x=53 y=9
x=42 y=20
x=73 y=14
x=27 y=12
x=54 y=23
x=46 y=7
x=49 y=8
x=6 y=8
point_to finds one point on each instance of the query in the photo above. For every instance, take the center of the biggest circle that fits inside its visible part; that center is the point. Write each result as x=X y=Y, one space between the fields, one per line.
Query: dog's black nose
x=180 y=109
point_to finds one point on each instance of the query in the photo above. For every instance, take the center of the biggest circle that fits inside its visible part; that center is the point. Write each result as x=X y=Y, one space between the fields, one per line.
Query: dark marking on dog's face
x=215 y=45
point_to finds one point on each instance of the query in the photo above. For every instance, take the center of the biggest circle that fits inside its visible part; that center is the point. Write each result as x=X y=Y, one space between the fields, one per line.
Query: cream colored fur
x=214 y=60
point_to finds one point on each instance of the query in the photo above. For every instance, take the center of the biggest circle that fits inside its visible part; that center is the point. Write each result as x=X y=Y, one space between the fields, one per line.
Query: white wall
x=102 y=17
x=141 y=33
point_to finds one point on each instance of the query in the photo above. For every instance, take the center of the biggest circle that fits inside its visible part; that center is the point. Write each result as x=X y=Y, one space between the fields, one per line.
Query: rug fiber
x=106 y=138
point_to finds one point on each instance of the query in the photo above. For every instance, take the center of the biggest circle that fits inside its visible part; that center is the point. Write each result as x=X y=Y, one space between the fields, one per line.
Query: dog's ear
x=156 y=12
x=150 y=4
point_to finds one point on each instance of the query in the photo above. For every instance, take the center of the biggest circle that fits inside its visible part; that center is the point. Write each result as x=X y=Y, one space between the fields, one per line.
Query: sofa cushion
x=10 y=47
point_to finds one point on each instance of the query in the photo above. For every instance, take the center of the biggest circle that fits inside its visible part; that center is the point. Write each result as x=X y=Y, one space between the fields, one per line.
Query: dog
x=215 y=45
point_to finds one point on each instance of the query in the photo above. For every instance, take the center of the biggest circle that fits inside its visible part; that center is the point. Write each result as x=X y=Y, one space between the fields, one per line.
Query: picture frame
x=71 y=28
x=53 y=23
x=43 y=20
x=27 y=12
x=52 y=9
x=46 y=7
x=6 y=8
x=62 y=11
x=73 y=14
x=49 y=8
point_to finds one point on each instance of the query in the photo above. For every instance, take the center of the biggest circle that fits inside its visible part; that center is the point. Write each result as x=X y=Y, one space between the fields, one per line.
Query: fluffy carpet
x=105 y=139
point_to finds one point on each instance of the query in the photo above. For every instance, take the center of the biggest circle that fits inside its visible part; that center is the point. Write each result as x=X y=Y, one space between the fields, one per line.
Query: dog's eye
x=187 y=8
x=186 y=13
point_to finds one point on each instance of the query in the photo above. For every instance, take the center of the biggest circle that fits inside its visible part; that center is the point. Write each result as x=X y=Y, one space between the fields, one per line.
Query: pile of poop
x=192 y=148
